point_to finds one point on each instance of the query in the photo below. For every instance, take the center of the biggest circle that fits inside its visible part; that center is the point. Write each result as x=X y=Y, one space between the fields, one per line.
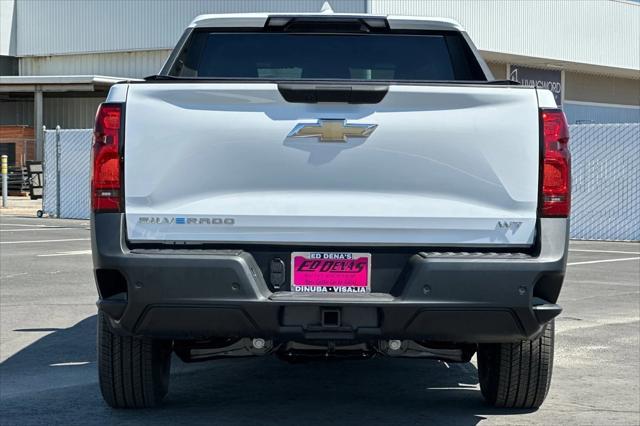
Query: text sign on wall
x=542 y=79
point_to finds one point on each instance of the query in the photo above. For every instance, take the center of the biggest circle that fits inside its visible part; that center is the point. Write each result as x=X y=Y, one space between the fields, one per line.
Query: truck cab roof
x=259 y=20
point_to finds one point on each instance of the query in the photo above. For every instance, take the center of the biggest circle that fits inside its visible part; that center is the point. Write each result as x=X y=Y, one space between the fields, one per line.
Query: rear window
x=304 y=56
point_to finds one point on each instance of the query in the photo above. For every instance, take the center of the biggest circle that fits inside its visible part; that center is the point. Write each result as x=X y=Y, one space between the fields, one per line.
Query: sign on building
x=542 y=79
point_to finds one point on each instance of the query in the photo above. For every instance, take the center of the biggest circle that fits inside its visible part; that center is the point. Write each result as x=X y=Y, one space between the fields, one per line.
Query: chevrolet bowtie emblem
x=332 y=130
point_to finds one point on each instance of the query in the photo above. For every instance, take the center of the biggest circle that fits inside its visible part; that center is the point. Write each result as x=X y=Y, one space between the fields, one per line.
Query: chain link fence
x=67 y=164
x=605 y=161
x=606 y=181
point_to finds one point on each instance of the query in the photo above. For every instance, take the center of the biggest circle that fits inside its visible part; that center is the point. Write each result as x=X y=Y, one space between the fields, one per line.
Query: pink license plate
x=320 y=272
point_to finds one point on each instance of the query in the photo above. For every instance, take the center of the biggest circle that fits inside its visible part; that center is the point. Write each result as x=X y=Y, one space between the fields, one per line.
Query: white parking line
x=66 y=253
x=605 y=251
x=5 y=277
x=44 y=241
x=36 y=229
x=32 y=225
x=69 y=364
x=602 y=261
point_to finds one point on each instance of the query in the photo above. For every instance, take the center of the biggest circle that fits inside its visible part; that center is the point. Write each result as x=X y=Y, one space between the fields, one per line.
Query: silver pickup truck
x=328 y=185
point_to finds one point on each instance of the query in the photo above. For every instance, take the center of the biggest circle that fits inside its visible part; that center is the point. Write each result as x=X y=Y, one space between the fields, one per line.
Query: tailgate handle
x=351 y=94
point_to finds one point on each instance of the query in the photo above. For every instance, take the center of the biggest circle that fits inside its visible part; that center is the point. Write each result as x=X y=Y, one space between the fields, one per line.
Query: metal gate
x=606 y=181
x=67 y=165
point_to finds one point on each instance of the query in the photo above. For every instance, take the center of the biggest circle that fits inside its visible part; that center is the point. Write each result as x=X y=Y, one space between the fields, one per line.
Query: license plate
x=328 y=272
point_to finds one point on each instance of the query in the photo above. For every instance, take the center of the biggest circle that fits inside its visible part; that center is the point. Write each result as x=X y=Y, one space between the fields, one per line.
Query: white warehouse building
x=59 y=57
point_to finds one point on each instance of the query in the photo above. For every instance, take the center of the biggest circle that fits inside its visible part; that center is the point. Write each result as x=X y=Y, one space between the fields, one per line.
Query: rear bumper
x=186 y=294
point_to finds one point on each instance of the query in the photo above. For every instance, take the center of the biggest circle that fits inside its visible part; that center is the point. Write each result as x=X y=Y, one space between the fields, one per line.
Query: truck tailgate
x=448 y=165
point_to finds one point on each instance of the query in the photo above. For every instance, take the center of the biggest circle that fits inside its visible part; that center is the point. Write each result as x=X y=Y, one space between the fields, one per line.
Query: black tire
x=517 y=375
x=133 y=372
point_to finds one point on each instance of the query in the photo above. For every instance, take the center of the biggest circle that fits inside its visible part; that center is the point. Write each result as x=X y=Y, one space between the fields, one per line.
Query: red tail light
x=555 y=185
x=106 y=173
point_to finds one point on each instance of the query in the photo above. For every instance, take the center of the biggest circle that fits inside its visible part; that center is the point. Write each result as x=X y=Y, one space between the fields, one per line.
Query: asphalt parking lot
x=48 y=370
